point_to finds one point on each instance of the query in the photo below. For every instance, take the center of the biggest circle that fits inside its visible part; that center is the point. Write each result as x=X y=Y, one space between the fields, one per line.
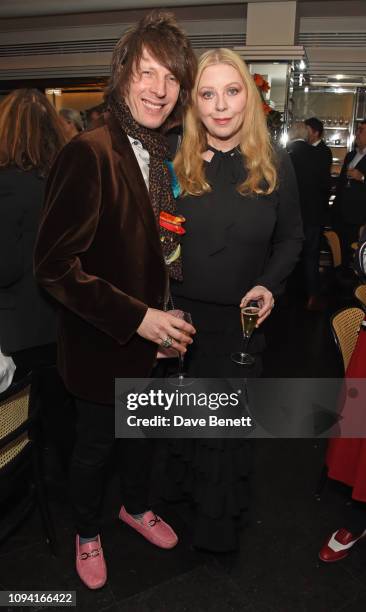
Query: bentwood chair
x=21 y=481
x=345 y=325
x=335 y=247
x=360 y=295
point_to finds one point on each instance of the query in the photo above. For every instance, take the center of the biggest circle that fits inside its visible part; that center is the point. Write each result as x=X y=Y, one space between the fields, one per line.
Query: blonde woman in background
x=243 y=237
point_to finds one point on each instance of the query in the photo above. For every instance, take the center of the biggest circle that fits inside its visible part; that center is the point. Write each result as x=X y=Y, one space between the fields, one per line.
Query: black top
x=27 y=313
x=350 y=199
x=235 y=242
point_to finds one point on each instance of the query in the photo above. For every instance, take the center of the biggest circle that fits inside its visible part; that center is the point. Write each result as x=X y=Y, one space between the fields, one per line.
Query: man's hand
x=265 y=301
x=356 y=175
x=158 y=325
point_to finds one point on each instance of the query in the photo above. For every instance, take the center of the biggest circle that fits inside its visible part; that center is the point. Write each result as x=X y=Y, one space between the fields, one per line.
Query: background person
x=310 y=181
x=349 y=205
x=243 y=237
x=72 y=122
x=103 y=255
x=31 y=135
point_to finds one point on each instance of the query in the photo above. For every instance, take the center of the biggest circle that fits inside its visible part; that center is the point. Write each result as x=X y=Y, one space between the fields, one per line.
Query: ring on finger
x=167 y=342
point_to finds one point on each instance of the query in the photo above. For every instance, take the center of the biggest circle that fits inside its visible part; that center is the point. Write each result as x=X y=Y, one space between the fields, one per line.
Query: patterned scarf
x=161 y=196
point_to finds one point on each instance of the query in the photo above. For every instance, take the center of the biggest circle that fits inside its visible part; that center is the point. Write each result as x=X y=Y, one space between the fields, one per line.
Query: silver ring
x=167 y=343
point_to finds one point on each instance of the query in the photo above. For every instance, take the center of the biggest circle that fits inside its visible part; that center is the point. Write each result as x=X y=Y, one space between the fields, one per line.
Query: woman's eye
x=146 y=72
x=233 y=91
x=207 y=95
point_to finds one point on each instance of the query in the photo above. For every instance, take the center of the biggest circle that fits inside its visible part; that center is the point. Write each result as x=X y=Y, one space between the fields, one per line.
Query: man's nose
x=158 y=86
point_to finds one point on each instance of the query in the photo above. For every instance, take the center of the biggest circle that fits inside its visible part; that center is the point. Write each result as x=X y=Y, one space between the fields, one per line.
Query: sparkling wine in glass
x=249 y=318
x=180 y=375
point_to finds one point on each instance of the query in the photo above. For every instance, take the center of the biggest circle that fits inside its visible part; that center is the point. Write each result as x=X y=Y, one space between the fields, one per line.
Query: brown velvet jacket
x=98 y=253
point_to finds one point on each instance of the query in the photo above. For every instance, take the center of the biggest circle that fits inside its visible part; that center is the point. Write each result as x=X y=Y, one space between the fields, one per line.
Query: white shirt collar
x=142 y=157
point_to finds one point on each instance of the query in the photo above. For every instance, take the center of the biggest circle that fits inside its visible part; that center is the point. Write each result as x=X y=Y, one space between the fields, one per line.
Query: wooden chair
x=345 y=326
x=335 y=247
x=20 y=468
x=360 y=295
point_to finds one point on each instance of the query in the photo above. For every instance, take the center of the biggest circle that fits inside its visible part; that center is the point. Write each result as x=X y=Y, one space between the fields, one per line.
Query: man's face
x=313 y=135
x=361 y=135
x=152 y=93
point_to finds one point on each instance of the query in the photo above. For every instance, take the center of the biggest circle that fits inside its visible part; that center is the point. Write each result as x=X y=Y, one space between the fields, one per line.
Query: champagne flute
x=249 y=316
x=180 y=375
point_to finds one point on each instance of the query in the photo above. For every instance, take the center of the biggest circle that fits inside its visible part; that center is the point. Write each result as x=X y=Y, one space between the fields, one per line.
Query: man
x=350 y=202
x=71 y=121
x=103 y=255
x=315 y=129
x=310 y=184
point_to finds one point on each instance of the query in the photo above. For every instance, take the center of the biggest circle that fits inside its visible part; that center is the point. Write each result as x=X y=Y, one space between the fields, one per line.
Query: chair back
x=335 y=247
x=15 y=404
x=360 y=294
x=345 y=326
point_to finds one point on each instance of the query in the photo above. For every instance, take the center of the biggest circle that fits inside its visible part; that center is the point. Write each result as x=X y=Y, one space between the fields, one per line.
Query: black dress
x=232 y=243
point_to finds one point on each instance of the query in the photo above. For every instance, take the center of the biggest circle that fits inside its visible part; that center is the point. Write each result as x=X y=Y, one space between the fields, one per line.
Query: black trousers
x=93 y=448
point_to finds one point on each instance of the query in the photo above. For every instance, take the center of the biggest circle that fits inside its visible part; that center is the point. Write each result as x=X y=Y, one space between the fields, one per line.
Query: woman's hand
x=265 y=301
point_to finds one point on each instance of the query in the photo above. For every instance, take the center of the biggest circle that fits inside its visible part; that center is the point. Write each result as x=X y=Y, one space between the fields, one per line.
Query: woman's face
x=221 y=102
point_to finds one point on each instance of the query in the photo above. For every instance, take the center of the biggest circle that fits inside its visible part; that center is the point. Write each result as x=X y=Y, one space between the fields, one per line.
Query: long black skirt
x=213 y=474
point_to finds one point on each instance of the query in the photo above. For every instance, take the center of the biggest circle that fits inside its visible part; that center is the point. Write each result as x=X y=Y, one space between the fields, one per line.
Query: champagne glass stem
x=181 y=365
x=245 y=344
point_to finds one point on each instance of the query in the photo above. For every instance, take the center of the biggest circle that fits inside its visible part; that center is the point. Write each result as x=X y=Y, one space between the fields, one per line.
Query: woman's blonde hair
x=31 y=133
x=254 y=143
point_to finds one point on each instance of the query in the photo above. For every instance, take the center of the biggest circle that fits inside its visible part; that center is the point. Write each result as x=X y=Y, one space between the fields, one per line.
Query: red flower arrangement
x=263 y=87
x=261 y=82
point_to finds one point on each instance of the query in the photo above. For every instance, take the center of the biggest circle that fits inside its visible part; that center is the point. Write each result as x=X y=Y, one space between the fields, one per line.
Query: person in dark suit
x=310 y=181
x=350 y=202
x=31 y=135
x=315 y=129
x=103 y=254
x=240 y=201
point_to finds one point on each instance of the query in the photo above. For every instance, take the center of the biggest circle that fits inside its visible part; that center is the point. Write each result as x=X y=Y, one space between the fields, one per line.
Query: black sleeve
x=11 y=223
x=287 y=238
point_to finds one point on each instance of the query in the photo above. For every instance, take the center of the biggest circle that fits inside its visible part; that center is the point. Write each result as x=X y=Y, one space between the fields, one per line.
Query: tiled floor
x=277 y=569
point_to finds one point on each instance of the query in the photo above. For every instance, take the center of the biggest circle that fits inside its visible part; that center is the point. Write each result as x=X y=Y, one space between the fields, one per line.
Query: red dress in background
x=346 y=457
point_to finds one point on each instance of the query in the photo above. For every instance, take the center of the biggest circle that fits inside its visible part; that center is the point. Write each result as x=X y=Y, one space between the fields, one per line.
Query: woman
x=243 y=237
x=346 y=457
x=31 y=135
